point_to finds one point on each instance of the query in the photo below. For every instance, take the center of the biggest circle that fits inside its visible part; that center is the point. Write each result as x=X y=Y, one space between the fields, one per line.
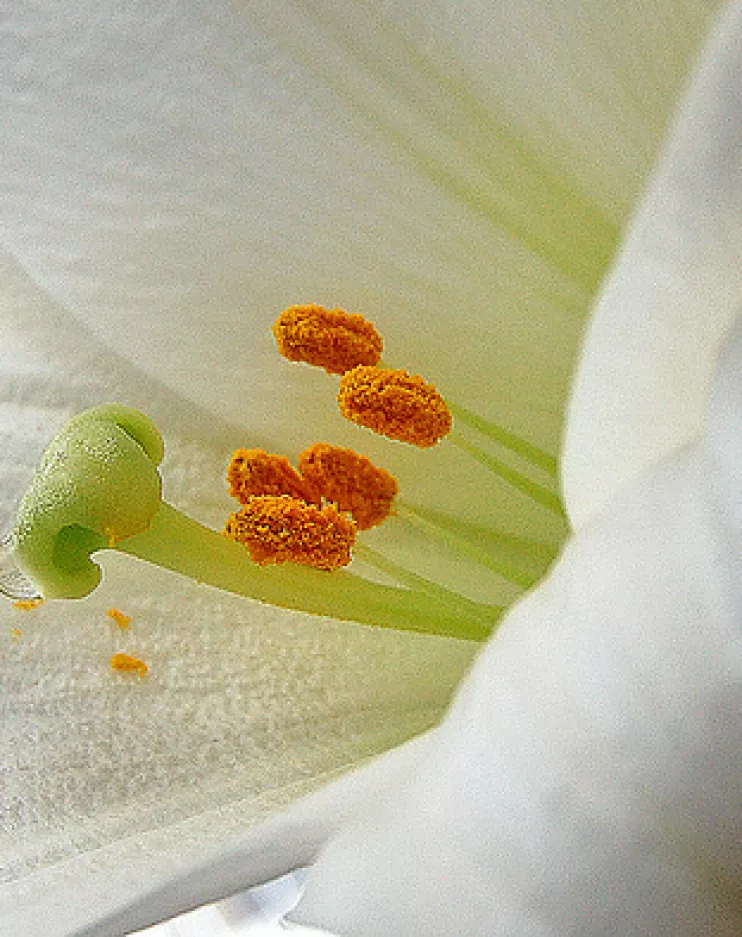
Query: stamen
x=351 y=481
x=329 y=338
x=254 y=472
x=281 y=529
x=396 y=404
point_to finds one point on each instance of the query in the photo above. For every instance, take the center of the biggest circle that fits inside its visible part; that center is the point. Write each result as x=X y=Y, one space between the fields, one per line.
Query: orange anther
x=254 y=472
x=329 y=338
x=395 y=404
x=351 y=481
x=125 y=663
x=281 y=529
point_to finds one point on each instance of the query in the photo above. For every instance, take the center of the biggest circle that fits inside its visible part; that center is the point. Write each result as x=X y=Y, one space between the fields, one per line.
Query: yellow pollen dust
x=396 y=404
x=27 y=605
x=329 y=338
x=123 y=621
x=254 y=472
x=125 y=663
x=351 y=481
x=282 y=529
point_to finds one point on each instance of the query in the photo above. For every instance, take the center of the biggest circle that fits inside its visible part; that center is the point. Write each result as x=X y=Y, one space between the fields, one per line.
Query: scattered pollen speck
x=281 y=529
x=395 y=404
x=328 y=338
x=27 y=605
x=16 y=633
x=123 y=621
x=125 y=663
x=351 y=481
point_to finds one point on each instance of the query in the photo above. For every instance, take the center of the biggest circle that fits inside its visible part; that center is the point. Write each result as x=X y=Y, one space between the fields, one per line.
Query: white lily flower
x=176 y=178
x=587 y=778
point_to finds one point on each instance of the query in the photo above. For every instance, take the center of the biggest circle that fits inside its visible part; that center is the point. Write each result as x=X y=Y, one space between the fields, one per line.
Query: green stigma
x=97 y=484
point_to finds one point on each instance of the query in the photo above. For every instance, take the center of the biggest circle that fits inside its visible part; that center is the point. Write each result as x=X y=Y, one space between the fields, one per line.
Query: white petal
x=643 y=381
x=193 y=171
x=114 y=784
x=289 y=840
x=587 y=778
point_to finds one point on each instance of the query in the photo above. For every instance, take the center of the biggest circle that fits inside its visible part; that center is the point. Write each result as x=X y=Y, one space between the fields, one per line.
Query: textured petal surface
x=171 y=178
x=462 y=169
x=291 y=838
x=643 y=381
x=587 y=777
x=110 y=783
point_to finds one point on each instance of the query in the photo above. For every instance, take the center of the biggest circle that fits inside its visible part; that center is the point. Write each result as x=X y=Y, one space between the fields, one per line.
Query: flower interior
x=98 y=488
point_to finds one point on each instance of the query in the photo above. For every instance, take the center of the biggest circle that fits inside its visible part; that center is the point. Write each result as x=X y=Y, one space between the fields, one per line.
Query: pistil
x=100 y=473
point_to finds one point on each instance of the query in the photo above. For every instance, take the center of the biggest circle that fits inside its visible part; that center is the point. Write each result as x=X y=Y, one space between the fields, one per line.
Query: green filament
x=458 y=604
x=522 y=483
x=518 y=561
x=536 y=456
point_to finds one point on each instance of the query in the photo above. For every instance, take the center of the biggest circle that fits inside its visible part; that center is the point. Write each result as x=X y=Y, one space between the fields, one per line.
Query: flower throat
x=98 y=487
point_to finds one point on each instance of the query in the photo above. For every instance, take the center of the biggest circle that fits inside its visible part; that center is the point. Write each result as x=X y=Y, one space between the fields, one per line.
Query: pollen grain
x=328 y=338
x=281 y=529
x=123 y=621
x=27 y=605
x=253 y=472
x=351 y=481
x=396 y=404
x=125 y=663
